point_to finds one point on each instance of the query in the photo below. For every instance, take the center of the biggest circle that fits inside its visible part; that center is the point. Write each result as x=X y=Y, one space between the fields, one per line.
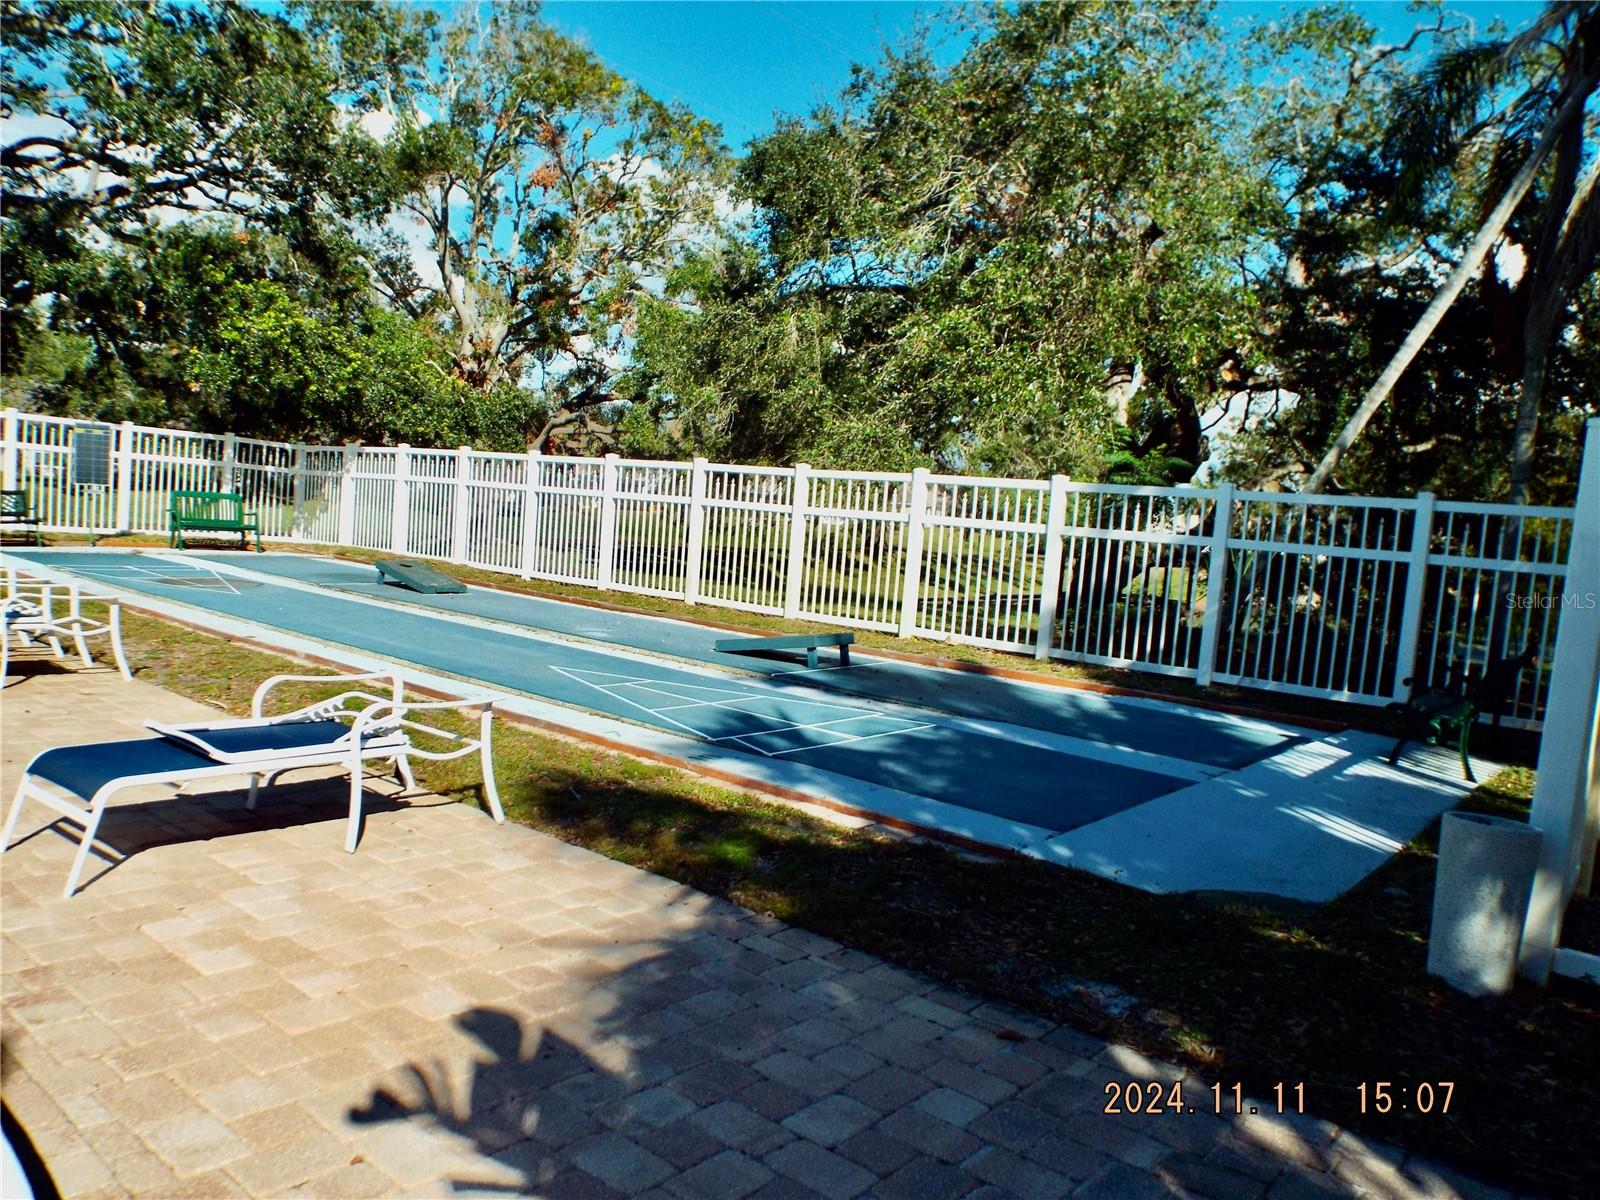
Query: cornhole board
x=797 y=641
x=418 y=576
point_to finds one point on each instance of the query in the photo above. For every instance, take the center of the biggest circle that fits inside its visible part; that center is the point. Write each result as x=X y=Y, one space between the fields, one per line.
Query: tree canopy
x=547 y=191
x=1046 y=237
x=974 y=264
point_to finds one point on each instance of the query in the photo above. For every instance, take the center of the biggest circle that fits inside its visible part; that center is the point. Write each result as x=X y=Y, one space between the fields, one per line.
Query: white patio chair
x=35 y=611
x=348 y=730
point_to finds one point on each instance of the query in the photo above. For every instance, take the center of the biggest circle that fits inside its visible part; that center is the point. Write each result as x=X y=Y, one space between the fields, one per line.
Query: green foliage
x=197 y=108
x=215 y=329
x=949 y=268
x=1362 y=137
x=1053 y=252
x=257 y=318
x=550 y=190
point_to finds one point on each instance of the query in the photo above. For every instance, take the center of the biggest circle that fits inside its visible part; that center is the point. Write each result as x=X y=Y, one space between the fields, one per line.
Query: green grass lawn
x=1242 y=990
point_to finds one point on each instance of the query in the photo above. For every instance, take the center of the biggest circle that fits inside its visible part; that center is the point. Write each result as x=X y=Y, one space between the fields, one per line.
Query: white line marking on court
x=742 y=739
x=817 y=725
x=173 y=573
x=845 y=708
x=642 y=708
x=865 y=737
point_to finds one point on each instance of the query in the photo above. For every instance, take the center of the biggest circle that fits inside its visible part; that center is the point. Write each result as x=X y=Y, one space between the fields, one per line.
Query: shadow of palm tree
x=503 y=1108
x=577 y=1104
x=533 y=1103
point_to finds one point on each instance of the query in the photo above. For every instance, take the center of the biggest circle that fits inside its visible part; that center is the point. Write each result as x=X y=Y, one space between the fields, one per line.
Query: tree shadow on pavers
x=133 y=826
x=1332 y=995
x=653 y=1055
x=611 y=1087
x=524 y=1100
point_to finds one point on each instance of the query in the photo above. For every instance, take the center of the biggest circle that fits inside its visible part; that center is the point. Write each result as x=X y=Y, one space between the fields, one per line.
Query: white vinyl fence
x=1342 y=597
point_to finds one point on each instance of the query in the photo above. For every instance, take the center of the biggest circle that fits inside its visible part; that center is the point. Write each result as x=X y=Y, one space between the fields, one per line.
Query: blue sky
x=737 y=62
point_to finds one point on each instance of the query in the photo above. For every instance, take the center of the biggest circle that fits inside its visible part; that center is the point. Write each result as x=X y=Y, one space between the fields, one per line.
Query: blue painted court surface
x=1049 y=757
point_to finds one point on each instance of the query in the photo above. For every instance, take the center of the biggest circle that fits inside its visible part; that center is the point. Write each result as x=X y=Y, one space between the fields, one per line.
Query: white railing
x=1342 y=597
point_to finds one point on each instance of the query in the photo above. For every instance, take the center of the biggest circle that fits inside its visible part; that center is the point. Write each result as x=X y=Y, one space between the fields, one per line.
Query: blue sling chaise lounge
x=347 y=730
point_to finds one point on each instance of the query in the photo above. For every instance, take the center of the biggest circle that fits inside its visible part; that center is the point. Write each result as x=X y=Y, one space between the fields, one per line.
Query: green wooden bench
x=212 y=512
x=15 y=511
x=797 y=641
x=1448 y=714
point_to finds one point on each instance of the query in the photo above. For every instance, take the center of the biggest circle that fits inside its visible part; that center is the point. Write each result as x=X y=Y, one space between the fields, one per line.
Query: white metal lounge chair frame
x=377 y=732
x=30 y=616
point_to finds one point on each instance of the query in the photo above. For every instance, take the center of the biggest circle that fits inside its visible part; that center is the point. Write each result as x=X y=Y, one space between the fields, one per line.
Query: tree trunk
x=1568 y=244
x=1538 y=331
x=1476 y=251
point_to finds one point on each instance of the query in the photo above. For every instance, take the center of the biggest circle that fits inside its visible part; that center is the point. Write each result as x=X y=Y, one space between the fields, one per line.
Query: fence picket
x=400 y=514
x=1216 y=583
x=911 y=583
x=695 y=536
x=123 y=477
x=463 y=506
x=795 y=574
x=10 y=450
x=608 y=521
x=1416 y=586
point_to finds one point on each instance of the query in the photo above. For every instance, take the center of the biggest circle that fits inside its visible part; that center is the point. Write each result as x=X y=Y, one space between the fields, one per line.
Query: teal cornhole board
x=799 y=641
x=418 y=576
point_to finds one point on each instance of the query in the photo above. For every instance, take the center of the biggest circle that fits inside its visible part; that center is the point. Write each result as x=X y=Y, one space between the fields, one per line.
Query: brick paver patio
x=460 y=1008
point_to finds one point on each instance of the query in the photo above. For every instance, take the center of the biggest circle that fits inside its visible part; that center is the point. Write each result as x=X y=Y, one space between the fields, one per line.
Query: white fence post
x=230 y=461
x=124 y=478
x=1216 y=582
x=795 y=574
x=400 y=514
x=530 y=514
x=695 y=534
x=1055 y=532
x=608 y=520
x=297 y=486
x=345 y=534
x=1569 y=762
x=912 y=583
x=1416 y=589
x=462 y=512
x=9 y=450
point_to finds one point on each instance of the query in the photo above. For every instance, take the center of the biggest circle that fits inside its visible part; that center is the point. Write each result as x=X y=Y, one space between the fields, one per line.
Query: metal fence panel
x=1316 y=594
x=982 y=564
x=1346 y=597
x=745 y=554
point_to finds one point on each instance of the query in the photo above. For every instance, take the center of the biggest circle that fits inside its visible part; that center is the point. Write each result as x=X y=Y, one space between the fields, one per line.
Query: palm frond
x=1434 y=115
x=1554 y=15
x=1521 y=128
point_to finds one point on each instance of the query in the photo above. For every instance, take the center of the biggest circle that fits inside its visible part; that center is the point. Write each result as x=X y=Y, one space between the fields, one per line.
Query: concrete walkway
x=460 y=1008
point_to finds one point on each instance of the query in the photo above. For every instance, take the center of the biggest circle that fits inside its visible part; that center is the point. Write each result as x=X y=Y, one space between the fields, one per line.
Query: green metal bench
x=1448 y=714
x=798 y=641
x=212 y=512
x=15 y=511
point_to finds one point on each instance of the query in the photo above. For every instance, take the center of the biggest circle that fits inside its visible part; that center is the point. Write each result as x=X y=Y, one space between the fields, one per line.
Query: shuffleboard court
x=1051 y=782
x=1213 y=739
